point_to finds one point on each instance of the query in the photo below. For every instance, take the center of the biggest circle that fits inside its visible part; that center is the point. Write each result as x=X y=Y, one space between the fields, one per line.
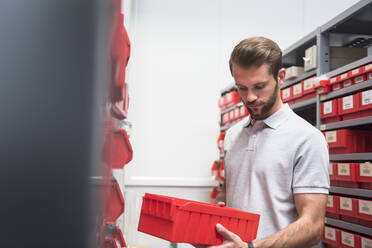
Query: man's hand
x=231 y=239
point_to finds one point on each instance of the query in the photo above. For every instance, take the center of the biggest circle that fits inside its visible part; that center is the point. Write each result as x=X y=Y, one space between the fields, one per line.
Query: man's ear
x=281 y=76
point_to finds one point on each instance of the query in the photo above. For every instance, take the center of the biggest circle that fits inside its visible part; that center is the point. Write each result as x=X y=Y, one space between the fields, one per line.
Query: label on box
x=346 y=204
x=225 y=117
x=368 y=67
x=308 y=84
x=330 y=233
x=347 y=239
x=330 y=168
x=333 y=80
x=366 y=243
x=237 y=112
x=220 y=102
x=320 y=90
x=286 y=93
x=229 y=96
x=297 y=89
x=343 y=76
x=355 y=71
x=365 y=169
x=365 y=207
x=331 y=136
x=358 y=79
x=367 y=97
x=343 y=169
x=242 y=111
x=336 y=86
x=347 y=102
x=330 y=201
x=231 y=114
x=347 y=83
x=327 y=107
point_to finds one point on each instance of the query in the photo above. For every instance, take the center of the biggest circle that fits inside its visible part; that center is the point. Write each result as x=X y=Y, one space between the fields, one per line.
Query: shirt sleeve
x=311 y=169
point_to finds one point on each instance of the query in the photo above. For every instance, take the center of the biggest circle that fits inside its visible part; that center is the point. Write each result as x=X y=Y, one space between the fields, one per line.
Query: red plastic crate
x=221 y=103
x=214 y=168
x=331 y=236
x=220 y=141
x=114 y=203
x=232 y=98
x=231 y=116
x=368 y=68
x=348 y=239
x=348 y=141
x=308 y=86
x=221 y=171
x=117 y=149
x=185 y=221
x=335 y=83
x=357 y=75
x=243 y=112
x=365 y=102
x=364 y=173
x=348 y=209
x=333 y=204
x=365 y=242
x=213 y=195
x=322 y=87
x=348 y=106
x=342 y=78
x=347 y=172
x=329 y=111
x=364 y=212
x=286 y=94
x=332 y=174
x=297 y=91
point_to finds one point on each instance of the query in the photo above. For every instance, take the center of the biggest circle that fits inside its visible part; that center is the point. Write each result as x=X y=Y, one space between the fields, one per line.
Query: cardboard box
x=293 y=72
x=340 y=56
x=310 y=62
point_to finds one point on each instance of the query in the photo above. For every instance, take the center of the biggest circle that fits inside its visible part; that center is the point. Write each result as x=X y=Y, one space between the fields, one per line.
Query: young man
x=276 y=163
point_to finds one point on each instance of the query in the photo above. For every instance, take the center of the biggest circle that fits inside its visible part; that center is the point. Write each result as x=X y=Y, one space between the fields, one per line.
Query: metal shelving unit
x=231 y=108
x=304 y=104
x=348 y=123
x=351 y=157
x=349 y=226
x=351 y=191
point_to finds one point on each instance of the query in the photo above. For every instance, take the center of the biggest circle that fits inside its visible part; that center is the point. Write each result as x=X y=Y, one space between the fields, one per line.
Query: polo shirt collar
x=274 y=120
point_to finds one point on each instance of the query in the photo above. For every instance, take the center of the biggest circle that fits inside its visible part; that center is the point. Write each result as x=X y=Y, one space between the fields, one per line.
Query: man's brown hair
x=256 y=51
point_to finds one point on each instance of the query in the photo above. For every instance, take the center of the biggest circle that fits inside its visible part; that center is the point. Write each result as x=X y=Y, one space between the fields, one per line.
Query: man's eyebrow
x=264 y=82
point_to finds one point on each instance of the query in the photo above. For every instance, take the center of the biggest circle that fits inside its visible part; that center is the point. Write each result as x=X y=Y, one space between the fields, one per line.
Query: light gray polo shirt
x=265 y=164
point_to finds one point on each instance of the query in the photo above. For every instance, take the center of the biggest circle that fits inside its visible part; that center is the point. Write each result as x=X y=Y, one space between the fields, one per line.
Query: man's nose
x=251 y=97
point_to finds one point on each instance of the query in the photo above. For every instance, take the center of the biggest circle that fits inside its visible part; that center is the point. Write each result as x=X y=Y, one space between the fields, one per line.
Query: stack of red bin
x=117 y=150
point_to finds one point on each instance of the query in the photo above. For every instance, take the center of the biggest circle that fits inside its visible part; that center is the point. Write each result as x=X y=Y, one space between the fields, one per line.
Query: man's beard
x=267 y=106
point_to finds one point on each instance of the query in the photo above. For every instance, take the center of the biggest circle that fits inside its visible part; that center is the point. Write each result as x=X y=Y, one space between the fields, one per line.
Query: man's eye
x=241 y=88
x=260 y=87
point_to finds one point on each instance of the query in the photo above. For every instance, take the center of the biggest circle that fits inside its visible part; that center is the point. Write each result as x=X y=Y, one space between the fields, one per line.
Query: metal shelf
x=347 y=91
x=304 y=104
x=349 y=226
x=356 y=19
x=351 y=157
x=349 y=67
x=351 y=191
x=300 y=78
x=301 y=43
x=231 y=108
x=347 y=123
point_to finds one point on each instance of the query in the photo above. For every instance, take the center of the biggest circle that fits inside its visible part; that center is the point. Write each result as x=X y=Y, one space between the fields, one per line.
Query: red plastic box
x=345 y=80
x=231 y=116
x=368 y=71
x=333 y=204
x=117 y=149
x=232 y=98
x=220 y=141
x=297 y=91
x=308 y=87
x=114 y=203
x=365 y=172
x=357 y=75
x=237 y=113
x=332 y=174
x=243 y=112
x=348 y=209
x=221 y=103
x=331 y=236
x=365 y=242
x=185 y=221
x=365 y=103
x=364 y=212
x=348 y=239
x=335 y=83
x=329 y=111
x=348 y=141
x=348 y=106
x=287 y=94
x=225 y=118
x=322 y=87
x=347 y=174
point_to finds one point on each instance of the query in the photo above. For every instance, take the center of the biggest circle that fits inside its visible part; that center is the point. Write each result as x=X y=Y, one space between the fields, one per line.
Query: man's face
x=258 y=90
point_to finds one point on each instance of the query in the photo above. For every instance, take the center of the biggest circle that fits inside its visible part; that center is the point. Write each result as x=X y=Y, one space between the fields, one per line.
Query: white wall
x=178 y=65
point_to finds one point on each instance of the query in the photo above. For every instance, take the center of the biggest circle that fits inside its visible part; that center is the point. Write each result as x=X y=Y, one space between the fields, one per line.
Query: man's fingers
x=226 y=233
x=221 y=204
x=223 y=245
